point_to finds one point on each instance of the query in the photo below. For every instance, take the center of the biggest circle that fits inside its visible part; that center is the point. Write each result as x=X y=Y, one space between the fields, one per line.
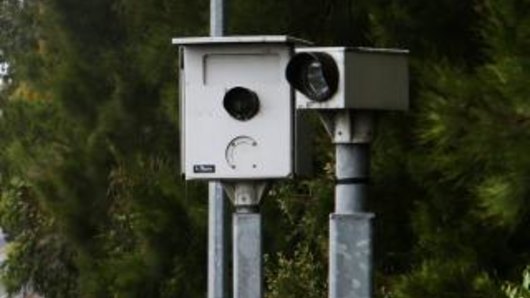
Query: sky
x=4 y=68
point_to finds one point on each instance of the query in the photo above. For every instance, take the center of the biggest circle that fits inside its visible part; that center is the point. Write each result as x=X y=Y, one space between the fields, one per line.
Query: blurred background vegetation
x=90 y=196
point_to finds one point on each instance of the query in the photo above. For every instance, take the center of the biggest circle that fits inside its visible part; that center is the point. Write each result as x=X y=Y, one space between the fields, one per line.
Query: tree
x=470 y=132
x=95 y=173
x=521 y=290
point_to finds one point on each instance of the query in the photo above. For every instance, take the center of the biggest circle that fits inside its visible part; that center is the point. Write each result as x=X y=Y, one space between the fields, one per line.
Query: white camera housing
x=368 y=78
x=214 y=144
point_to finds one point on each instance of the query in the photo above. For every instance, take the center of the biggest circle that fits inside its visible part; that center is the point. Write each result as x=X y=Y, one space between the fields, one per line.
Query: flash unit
x=314 y=74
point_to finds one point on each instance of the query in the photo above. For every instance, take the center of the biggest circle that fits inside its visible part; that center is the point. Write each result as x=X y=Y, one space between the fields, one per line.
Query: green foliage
x=442 y=30
x=446 y=279
x=323 y=22
x=308 y=278
x=471 y=133
x=38 y=255
x=521 y=290
x=108 y=202
x=296 y=241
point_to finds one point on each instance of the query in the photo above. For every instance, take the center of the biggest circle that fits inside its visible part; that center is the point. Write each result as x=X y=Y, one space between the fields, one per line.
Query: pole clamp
x=355 y=180
x=349 y=126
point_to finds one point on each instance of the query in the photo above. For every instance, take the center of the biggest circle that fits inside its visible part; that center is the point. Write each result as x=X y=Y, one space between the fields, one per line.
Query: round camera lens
x=315 y=80
x=241 y=103
x=314 y=74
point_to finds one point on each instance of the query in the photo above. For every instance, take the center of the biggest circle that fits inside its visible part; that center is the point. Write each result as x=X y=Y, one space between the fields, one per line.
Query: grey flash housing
x=350 y=78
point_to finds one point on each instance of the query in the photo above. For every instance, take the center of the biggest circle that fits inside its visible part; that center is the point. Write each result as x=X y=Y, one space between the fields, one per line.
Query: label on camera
x=204 y=169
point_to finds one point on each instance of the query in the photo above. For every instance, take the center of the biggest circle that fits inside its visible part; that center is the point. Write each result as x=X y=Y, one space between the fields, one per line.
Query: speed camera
x=349 y=78
x=237 y=110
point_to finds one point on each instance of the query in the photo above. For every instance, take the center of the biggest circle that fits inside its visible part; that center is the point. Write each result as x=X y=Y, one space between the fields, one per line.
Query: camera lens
x=314 y=79
x=314 y=74
x=241 y=103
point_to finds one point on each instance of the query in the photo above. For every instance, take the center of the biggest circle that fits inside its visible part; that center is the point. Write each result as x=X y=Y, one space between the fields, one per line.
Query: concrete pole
x=216 y=198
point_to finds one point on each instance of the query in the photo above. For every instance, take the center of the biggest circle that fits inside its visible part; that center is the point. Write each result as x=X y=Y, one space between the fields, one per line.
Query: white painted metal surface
x=239 y=39
x=369 y=78
x=210 y=135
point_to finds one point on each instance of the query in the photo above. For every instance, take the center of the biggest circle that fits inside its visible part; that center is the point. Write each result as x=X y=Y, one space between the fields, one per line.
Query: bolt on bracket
x=348 y=126
x=245 y=193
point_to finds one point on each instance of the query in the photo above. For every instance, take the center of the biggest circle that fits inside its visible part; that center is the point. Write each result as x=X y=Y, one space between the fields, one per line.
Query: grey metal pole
x=246 y=236
x=247 y=255
x=350 y=245
x=217 y=17
x=216 y=240
x=352 y=172
x=216 y=198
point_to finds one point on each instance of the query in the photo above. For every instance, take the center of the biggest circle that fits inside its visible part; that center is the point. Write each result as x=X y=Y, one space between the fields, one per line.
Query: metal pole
x=246 y=236
x=350 y=245
x=217 y=17
x=216 y=198
x=216 y=241
x=247 y=254
x=352 y=172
